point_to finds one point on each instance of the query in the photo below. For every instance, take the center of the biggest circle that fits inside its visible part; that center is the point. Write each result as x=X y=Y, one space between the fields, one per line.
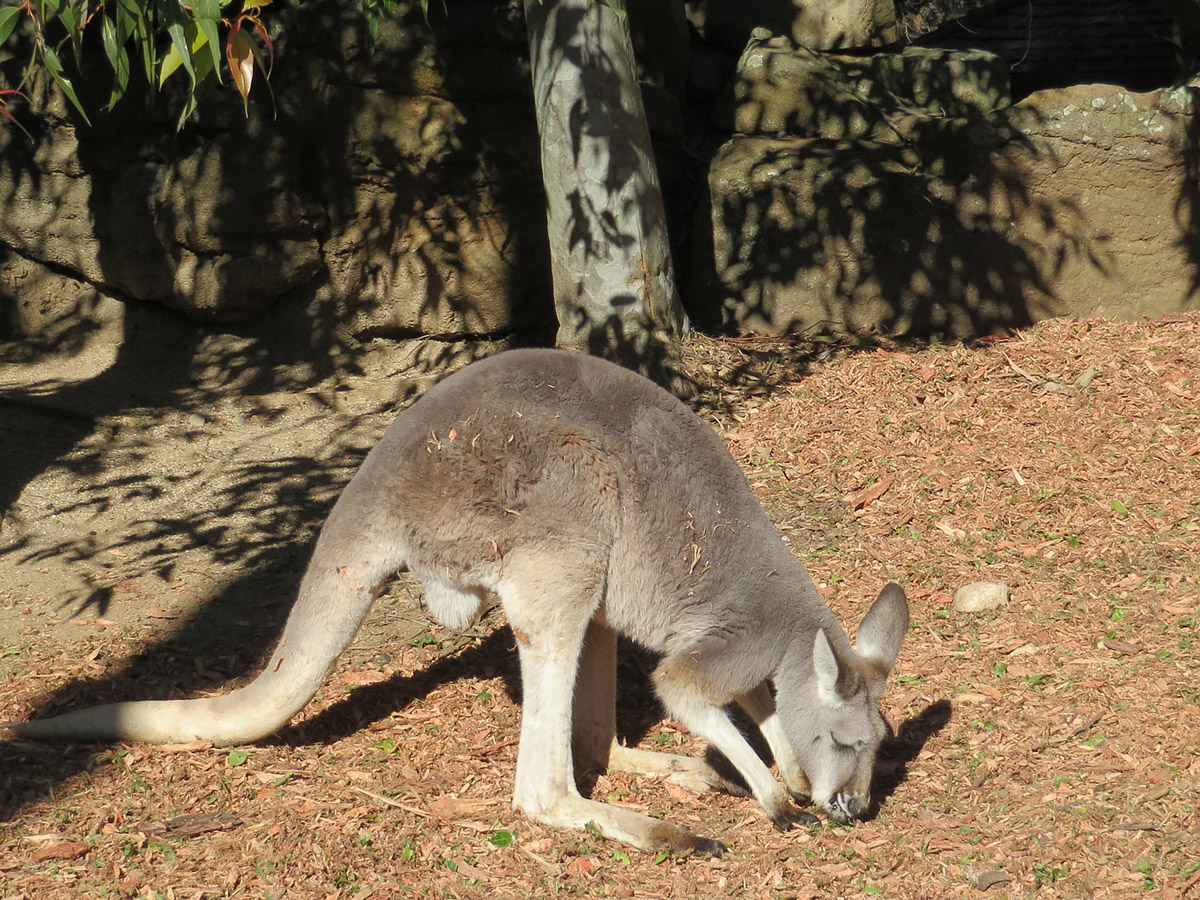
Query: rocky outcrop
x=783 y=87
x=903 y=194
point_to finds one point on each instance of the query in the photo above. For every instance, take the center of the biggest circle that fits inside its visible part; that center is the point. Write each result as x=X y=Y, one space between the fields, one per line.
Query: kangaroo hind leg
x=550 y=598
x=594 y=708
x=682 y=687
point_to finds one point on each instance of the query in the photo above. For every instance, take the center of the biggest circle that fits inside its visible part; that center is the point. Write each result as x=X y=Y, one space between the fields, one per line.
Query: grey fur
x=592 y=503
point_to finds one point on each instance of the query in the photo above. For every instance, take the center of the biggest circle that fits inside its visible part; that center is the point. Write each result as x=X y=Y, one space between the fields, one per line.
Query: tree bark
x=614 y=285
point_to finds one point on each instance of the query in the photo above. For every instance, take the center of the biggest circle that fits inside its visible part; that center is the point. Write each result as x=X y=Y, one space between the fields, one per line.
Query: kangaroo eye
x=840 y=745
x=847 y=746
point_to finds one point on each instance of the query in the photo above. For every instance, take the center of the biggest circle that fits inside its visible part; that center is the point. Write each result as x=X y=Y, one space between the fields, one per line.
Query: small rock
x=985 y=879
x=195 y=420
x=981 y=596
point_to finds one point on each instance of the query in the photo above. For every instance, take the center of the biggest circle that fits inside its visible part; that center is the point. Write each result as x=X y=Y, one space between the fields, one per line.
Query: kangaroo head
x=835 y=738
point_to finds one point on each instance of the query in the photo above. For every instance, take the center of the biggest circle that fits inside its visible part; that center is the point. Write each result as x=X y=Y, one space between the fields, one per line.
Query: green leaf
x=207 y=37
x=1118 y=507
x=177 y=28
x=171 y=62
x=75 y=17
x=51 y=61
x=9 y=16
x=189 y=107
x=67 y=17
x=132 y=22
x=237 y=757
x=49 y=11
x=501 y=839
x=114 y=49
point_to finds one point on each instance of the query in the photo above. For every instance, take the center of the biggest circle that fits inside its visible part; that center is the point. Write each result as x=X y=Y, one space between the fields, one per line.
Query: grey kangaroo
x=591 y=503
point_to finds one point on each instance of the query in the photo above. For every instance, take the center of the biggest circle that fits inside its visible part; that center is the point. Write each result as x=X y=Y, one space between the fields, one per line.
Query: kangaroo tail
x=347 y=569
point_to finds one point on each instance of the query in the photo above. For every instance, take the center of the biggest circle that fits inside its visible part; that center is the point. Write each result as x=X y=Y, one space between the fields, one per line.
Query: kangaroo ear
x=883 y=627
x=836 y=680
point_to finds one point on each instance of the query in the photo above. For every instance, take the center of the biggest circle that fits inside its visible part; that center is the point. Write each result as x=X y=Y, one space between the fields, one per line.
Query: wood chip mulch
x=1047 y=748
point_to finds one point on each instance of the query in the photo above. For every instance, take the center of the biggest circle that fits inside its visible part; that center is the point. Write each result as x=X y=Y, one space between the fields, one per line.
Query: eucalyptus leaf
x=9 y=16
x=176 y=21
x=54 y=66
x=114 y=49
x=207 y=29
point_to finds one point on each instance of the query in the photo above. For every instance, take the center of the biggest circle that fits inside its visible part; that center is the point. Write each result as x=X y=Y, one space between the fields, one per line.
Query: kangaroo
x=592 y=503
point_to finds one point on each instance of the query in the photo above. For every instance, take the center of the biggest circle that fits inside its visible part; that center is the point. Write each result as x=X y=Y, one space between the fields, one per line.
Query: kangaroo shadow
x=901 y=748
x=494 y=655
x=638 y=708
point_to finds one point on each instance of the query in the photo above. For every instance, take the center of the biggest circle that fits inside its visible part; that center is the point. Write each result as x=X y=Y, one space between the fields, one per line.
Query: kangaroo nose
x=857 y=805
x=848 y=806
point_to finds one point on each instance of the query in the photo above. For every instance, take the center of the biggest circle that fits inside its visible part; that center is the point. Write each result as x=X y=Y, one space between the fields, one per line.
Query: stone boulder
x=217 y=229
x=782 y=87
x=1080 y=201
x=387 y=192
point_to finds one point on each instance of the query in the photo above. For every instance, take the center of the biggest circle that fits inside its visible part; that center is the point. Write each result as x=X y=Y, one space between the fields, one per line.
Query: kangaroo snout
x=843 y=808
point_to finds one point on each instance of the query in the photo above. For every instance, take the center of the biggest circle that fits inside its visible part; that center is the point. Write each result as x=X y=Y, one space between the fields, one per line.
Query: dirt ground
x=155 y=527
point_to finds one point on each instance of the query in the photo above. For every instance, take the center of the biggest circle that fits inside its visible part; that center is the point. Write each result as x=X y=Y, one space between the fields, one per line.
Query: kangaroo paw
x=704 y=780
x=672 y=837
x=646 y=833
x=791 y=817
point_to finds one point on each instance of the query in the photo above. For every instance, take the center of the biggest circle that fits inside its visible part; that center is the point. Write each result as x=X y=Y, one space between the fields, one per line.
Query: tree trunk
x=614 y=286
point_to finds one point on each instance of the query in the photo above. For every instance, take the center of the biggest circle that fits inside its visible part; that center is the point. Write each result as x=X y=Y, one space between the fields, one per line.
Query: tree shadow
x=228 y=210
x=1187 y=205
x=165 y=668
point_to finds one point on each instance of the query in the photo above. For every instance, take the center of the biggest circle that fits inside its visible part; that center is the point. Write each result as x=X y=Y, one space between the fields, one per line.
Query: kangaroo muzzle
x=845 y=807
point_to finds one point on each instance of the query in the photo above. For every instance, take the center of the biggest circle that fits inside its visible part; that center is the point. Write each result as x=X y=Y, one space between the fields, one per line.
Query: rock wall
x=397 y=192
x=903 y=193
x=387 y=192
